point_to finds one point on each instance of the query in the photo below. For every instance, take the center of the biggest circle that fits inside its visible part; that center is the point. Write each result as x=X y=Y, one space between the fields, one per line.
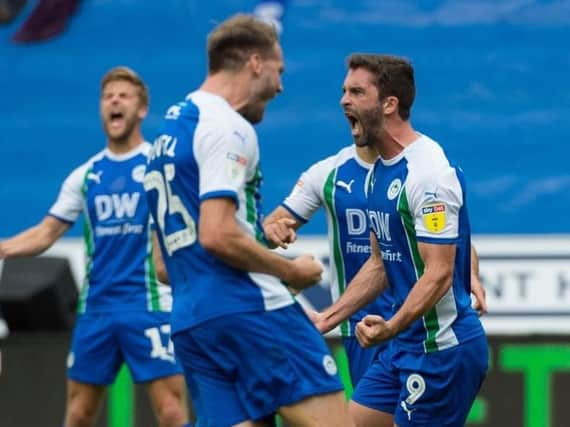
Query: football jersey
x=205 y=149
x=338 y=184
x=108 y=190
x=419 y=196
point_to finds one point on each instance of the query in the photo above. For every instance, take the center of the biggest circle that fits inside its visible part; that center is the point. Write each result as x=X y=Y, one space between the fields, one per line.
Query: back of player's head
x=233 y=41
x=394 y=77
x=128 y=75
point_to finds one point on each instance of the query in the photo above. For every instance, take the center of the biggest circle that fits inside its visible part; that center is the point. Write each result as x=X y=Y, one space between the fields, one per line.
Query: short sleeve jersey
x=338 y=184
x=419 y=196
x=206 y=150
x=108 y=190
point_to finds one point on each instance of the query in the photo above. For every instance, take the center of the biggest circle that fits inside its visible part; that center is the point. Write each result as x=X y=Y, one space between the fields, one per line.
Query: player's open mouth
x=354 y=123
x=116 y=118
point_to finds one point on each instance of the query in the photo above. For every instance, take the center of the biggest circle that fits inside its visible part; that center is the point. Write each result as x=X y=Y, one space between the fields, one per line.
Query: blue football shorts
x=246 y=366
x=101 y=342
x=360 y=358
x=425 y=389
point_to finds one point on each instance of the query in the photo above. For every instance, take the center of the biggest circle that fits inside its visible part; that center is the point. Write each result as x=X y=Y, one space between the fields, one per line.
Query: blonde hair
x=128 y=75
x=232 y=42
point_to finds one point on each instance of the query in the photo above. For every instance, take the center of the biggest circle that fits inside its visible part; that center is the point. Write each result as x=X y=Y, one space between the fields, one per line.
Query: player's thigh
x=379 y=388
x=167 y=390
x=323 y=410
x=262 y=361
x=439 y=388
x=215 y=399
x=144 y=338
x=95 y=355
x=251 y=424
x=363 y=416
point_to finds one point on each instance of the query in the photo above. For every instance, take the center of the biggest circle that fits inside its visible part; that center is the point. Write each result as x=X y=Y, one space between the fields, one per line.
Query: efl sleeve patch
x=236 y=165
x=434 y=216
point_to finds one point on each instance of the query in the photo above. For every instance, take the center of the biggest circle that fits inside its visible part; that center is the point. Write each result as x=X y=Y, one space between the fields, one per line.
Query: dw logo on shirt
x=118 y=206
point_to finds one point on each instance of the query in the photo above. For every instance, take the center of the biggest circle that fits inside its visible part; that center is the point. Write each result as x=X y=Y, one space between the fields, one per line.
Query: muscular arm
x=220 y=234
x=430 y=288
x=280 y=228
x=368 y=283
x=426 y=292
x=34 y=240
x=477 y=288
x=157 y=259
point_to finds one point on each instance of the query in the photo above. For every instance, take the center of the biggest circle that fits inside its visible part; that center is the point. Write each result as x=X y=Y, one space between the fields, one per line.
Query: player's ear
x=142 y=112
x=255 y=62
x=390 y=105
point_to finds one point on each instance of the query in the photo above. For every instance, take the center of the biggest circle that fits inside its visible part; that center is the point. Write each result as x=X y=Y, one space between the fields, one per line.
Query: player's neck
x=233 y=87
x=122 y=146
x=367 y=153
x=396 y=136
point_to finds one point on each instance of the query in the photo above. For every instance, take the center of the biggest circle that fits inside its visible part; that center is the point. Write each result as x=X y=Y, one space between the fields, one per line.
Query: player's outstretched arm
x=428 y=290
x=220 y=234
x=477 y=288
x=369 y=282
x=34 y=240
x=280 y=228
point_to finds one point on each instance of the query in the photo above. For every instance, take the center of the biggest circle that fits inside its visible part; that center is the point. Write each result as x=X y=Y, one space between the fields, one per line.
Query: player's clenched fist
x=306 y=271
x=372 y=330
x=281 y=232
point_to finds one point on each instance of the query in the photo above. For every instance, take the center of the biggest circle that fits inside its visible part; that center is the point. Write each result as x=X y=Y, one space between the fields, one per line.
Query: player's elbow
x=213 y=241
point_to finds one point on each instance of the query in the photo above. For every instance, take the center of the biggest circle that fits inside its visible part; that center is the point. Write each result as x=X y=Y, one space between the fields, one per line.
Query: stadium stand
x=491 y=78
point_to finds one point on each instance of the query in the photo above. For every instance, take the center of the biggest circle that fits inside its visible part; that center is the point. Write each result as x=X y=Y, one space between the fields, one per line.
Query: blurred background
x=493 y=88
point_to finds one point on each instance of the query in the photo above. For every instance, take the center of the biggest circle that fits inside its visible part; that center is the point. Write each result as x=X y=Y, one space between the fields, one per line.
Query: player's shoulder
x=429 y=167
x=336 y=160
x=79 y=173
x=90 y=162
x=219 y=120
x=426 y=158
x=145 y=148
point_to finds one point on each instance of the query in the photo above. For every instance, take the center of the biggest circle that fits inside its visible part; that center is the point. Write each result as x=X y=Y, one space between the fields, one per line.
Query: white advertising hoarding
x=527 y=279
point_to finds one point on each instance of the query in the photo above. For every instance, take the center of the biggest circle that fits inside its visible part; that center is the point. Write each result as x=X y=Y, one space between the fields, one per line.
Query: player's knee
x=171 y=413
x=79 y=415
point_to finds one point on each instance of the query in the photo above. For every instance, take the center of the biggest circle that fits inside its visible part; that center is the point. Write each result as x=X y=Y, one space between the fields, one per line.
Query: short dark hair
x=128 y=75
x=232 y=42
x=394 y=77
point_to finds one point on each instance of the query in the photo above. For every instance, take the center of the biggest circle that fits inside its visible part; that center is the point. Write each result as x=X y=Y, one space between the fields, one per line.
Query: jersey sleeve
x=225 y=161
x=306 y=197
x=435 y=202
x=69 y=203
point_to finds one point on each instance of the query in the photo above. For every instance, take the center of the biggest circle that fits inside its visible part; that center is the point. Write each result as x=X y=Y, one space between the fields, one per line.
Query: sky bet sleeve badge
x=434 y=217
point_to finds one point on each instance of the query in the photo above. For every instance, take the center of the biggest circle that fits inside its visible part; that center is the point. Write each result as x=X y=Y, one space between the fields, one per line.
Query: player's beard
x=253 y=113
x=121 y=137
x=371 y=124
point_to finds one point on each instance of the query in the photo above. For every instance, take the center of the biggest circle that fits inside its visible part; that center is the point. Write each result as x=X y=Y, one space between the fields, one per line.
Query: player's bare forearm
x=158 y=260
x=369 y=282
x=436 y=280
x=34 y=240
x=477 y=288
x=220 y=234
x=280 y=228
x=474 y=262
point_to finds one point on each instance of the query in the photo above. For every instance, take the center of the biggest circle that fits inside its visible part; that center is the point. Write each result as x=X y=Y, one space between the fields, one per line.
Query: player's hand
x=305 y=272
x=373 y=330
x=3 y=253
x=478 y=291
x=281 y=232
x=317 y=319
